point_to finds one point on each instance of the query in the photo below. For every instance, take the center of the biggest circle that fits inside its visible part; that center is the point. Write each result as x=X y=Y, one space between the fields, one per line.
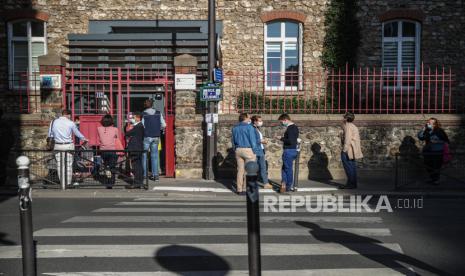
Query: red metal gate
x=90 y=92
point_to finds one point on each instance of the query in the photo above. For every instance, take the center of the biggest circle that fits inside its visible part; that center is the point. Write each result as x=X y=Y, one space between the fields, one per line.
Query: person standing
x=154 y=124
x=62 y=130
x=351 y=150
x=257 y=123
x=433 y=152
x=289 y=152
x=136 y=145
x=107 y=136
x=244 y=142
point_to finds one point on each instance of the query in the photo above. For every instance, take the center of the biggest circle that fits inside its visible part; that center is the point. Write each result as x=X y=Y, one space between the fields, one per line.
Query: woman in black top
x=435 y=141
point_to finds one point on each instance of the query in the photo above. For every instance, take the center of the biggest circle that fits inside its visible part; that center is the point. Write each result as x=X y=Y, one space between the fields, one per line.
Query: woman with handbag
x=109 y=142
x=436 y=146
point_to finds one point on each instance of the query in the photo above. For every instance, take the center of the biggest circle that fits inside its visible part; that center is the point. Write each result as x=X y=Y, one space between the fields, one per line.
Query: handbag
x=50 y=139
x=446 y=155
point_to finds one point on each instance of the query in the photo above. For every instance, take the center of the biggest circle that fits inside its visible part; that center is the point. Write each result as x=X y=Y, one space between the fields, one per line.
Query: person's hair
x=255 y=118
x=283 y=117
x=149 y=102
x=350 y=117
x=138 y=115
x=436 y=124
x=107 y=121
x=243 y=116
x=76 y=118
x=66 y=112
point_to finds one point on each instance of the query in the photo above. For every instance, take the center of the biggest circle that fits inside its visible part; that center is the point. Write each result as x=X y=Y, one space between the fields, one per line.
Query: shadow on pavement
x=4 y=240
x=184 y=260
x=389 y=258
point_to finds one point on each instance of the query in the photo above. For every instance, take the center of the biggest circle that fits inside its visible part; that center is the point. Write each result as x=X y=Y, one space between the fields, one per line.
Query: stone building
x=272 y=38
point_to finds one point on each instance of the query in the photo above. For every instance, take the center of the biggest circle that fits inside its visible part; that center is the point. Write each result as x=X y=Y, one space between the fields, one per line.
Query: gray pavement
x=195 y=234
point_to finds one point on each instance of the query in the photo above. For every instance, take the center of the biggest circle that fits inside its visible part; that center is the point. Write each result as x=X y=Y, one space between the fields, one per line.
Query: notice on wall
x=50 y=81
x=184 y=81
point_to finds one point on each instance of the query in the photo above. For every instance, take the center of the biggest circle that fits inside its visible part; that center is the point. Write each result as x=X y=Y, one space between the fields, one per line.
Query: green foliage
x=342 y=37
x=254 y=103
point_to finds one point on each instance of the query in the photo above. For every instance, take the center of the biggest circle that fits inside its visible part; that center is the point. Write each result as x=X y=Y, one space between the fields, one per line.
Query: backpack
x=152 y=125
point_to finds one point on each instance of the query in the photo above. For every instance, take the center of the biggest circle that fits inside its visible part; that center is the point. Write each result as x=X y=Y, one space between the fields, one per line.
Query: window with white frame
x=283 y=54
x=27 y=40
x=401 y=46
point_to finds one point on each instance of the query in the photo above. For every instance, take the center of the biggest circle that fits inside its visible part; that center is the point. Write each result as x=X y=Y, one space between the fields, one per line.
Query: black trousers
x=137 y=169
x=433 y=164
x=109 y=160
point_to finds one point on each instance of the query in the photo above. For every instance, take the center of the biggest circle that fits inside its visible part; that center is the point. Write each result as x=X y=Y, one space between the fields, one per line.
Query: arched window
x=283 y=54
x=401 y=46
x=26 y=42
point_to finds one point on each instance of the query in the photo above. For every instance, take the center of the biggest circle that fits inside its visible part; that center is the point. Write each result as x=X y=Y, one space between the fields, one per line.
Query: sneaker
x=154 y=178
x=267 y=186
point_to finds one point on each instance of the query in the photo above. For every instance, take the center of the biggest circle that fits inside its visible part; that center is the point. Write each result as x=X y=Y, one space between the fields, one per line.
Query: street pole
x=25 y=212
x=211 y=135
x=253 y=219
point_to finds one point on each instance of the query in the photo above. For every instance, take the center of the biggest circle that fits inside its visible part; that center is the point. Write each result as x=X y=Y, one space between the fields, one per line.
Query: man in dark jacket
x=289 y=152
x=136 y=145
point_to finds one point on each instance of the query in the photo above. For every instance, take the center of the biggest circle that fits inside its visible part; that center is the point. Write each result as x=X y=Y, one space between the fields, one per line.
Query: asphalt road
x=207 y=236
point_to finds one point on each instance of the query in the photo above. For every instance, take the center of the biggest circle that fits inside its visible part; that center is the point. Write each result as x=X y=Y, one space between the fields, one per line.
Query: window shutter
x=390 y=51
x=408 y=56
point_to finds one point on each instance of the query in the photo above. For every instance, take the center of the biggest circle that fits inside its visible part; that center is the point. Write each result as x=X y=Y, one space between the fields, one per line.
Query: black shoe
x=109 y=187
x=154 y=178
x=347 y=187
x=241 y=193
x=130 y=187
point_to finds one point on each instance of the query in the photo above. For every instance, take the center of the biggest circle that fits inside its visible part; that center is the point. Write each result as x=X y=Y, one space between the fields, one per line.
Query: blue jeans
x=152 y=145
x=261 y=160
x=287 y=172
x=350 y=167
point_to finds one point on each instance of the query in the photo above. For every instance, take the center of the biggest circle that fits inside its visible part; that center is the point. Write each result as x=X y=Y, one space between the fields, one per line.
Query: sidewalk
x=225 y=188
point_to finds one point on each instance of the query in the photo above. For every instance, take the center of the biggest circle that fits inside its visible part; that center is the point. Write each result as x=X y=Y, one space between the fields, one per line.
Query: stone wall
x=442 y=26
x=382 y=138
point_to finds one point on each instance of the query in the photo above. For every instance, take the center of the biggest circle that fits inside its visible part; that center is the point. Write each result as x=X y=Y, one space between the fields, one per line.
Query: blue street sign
x=218 y=75
x=211 y=93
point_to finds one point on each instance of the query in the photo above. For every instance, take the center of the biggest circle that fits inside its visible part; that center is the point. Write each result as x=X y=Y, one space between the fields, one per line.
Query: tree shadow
x=4 y=241
x=370 y=249
x=189 y=260
x=318 y=165
x=225 y=166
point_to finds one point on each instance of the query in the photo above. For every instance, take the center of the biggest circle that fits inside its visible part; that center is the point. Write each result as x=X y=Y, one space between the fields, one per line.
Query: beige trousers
x=243 y=155
x=64 y=163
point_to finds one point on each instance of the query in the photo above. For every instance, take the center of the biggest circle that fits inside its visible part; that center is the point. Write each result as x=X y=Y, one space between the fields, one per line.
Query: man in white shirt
x=62 y=130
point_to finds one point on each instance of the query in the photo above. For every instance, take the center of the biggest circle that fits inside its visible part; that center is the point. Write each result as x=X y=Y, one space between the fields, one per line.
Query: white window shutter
x=390 y=52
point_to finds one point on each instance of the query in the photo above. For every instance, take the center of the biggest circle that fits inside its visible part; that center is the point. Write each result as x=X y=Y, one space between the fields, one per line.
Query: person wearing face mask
x=435 y=141
x=244 y=143
x=257 y=123
x=136 y=145
x=289 y=152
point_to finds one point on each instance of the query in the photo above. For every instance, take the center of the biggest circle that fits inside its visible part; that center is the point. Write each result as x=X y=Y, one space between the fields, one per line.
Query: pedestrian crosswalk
x=172 y=236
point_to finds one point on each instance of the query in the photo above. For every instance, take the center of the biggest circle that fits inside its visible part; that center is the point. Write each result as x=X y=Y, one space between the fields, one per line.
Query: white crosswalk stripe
x=129 y=235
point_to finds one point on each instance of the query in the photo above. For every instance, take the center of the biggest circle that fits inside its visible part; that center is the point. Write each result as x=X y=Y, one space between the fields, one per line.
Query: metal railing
x=414 y=171
x=82 y=168
x=359 y=90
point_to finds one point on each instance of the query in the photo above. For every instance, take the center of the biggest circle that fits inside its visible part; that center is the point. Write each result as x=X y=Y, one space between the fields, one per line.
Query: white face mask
x=260 y=124
x=133 y=121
